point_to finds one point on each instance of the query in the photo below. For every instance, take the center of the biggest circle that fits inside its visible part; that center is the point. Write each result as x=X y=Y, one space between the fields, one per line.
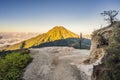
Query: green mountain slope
x=56 y=33
x=69 y=42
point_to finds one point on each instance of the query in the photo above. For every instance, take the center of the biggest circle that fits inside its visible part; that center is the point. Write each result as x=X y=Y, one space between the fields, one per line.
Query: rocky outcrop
x=105 y=46
x=55 y=63
x=99 y=42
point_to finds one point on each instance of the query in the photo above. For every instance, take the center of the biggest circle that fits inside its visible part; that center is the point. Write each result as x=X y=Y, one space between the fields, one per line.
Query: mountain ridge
x=56 y=33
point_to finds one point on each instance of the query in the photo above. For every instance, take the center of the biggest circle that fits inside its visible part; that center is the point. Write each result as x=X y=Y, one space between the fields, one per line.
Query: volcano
x=56 y=33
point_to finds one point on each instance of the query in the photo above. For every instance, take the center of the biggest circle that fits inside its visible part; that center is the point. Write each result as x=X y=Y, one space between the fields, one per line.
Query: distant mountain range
x=57 y=36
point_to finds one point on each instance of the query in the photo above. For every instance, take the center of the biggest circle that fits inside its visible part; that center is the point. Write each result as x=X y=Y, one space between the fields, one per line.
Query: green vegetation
x=56 y=33
x=12 y=65
x=69 y=42
x=112 y=62
x=110 y=67
x=22 y=46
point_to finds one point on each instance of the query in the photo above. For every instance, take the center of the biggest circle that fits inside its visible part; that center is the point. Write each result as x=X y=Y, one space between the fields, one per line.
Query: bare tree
x=80 y=40
x=22 y=45
x=110 y=15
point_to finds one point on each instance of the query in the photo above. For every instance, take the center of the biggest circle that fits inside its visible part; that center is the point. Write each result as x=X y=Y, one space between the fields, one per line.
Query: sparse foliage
x=11 y=66
x=80 y=40
x=110 y=15
x=112 y=62
x=22 y=45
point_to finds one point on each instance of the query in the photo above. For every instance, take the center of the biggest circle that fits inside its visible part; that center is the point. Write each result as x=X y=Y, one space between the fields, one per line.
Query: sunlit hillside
x=56 y=33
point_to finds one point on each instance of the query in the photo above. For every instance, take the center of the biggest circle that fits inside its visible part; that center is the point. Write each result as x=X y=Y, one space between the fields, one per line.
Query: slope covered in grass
x=56 y=33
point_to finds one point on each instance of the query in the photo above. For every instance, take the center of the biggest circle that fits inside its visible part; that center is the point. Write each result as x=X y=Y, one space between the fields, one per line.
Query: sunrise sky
x=41 y=15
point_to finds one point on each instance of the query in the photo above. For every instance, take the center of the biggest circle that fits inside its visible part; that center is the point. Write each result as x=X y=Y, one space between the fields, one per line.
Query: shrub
x=12 y=65
x=112 y=60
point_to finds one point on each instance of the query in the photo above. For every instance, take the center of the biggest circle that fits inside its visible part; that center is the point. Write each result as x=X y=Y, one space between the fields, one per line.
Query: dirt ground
x=56 y=63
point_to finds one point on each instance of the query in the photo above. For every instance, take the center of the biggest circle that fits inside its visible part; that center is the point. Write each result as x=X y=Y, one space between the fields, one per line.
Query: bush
x=112 y=61
x=12 y=65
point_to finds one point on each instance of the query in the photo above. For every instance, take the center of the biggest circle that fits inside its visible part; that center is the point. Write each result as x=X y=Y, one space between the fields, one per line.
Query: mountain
x=60 y=32
x=70 y=42
x=56 y=33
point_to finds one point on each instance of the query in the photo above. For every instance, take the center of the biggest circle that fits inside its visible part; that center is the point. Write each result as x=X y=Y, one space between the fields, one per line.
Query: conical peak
x=58 y=27
x=56 y=33
x=59 y=32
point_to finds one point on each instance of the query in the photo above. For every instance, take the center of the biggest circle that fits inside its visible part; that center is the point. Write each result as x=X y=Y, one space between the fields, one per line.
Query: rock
x=108 y=69
x=100 y=39
x=65 y=71
x=40 y=68
x=54 y=63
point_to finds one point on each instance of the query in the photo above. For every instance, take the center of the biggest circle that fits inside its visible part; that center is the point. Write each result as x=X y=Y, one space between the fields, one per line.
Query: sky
x=42 y=15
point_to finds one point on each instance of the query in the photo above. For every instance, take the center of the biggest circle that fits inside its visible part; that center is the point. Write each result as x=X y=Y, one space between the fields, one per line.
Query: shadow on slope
x=70 y=42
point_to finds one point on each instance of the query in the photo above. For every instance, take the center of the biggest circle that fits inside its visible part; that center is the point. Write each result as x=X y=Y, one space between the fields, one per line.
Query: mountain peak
x=58 y=27
x=56 y=33
x=61 y=32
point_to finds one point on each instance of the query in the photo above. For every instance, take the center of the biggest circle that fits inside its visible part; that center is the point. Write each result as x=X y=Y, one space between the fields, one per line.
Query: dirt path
x=55 y=63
